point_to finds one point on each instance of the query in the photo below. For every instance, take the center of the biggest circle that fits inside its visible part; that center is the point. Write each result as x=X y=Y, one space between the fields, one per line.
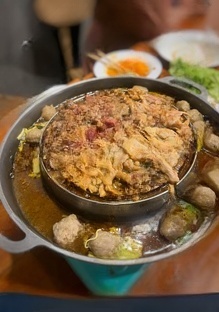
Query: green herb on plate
x=205 y=76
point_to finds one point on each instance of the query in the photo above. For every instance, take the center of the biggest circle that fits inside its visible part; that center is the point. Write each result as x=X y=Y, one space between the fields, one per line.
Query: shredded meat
x=118 y=143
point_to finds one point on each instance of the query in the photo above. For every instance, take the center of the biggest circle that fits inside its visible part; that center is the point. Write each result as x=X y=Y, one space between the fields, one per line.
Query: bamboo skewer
x=107 y=61
x=104 y=61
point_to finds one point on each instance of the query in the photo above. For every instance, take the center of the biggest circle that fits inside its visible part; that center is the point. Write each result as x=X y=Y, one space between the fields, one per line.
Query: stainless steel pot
x=9 y=146
x=94 y=208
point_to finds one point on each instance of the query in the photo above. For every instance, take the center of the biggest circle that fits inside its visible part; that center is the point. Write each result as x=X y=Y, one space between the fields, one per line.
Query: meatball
x=66 y=230
x=210 y=174
x=104 y=244
x=179 y=220
x=195 y=115
x=48 y=112
x=201 y=196
x=211 y=140
x=140 y=89
x=33 y=135
x=183 y=106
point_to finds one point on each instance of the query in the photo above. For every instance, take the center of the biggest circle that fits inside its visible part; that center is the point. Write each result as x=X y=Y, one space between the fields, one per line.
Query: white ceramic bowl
x=155 y=66
x=194 y=46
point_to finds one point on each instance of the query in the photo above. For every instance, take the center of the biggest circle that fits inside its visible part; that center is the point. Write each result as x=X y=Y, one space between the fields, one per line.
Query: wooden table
x=41 y=271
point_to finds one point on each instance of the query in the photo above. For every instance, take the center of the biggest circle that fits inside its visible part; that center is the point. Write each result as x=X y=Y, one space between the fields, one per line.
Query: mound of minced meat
x=118 y=143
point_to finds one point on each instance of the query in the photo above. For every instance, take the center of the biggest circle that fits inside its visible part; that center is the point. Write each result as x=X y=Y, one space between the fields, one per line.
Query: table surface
x=43 y=272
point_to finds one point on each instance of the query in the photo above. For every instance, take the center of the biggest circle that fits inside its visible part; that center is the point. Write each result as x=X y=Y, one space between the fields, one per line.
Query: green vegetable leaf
x=207 y=77
x=129 y=249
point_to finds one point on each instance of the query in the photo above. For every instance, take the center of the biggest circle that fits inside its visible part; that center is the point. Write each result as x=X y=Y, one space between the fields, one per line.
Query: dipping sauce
x=129 y=66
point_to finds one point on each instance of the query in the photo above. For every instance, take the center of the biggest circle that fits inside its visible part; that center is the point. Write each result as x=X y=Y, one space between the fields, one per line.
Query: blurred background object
x=30 y=57
x=140 y=20
x=40 y=44
x=212 y=18
x=45 y=42
x=70 y=17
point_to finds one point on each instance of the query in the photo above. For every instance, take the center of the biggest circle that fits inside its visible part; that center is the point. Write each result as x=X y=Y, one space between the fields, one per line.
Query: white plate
x=194 y=46
x=100 y=70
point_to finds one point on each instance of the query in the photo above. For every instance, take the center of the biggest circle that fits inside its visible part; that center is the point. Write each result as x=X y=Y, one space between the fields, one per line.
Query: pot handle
x=30 y=241
x=188 y=85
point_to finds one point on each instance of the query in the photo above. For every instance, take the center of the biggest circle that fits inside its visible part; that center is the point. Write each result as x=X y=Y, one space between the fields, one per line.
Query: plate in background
x=194 y=46
x=154 y=64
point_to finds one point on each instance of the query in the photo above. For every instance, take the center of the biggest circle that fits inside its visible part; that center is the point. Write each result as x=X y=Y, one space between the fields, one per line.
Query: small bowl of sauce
x=128 y=63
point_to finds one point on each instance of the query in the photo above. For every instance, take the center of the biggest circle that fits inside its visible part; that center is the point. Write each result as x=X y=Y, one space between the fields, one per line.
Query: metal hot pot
x=100 y=275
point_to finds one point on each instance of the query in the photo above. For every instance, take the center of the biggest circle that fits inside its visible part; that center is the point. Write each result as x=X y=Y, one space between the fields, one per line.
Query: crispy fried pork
x=118 y=143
